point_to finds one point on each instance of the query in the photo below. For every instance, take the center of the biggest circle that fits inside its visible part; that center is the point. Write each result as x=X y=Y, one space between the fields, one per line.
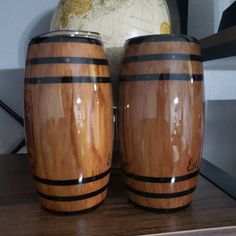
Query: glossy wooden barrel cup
x=161 y=120
x=68 y=120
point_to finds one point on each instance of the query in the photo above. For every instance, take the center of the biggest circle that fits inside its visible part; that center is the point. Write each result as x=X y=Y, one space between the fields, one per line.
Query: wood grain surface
x=161 y=121
x=63 y=49
x=68 y=113
x=20 y=213
x=163 y=67
x=66 y=70
x=147 y=48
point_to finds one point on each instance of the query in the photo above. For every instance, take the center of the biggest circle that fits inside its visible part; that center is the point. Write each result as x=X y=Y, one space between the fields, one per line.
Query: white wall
x=205 y=15
x=20 y=20
x=203 y=20
x=219 y=78
x=220 y=84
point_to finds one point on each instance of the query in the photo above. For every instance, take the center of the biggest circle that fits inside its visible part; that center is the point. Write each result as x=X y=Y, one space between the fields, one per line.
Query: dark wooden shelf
x=219 y=45
x=20 y=213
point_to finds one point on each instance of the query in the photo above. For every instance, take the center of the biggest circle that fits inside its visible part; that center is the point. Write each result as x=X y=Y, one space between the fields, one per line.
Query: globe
x=116 y=21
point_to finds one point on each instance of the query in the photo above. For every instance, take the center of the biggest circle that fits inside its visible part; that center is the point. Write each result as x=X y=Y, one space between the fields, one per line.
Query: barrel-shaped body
x=161 y=119
x=68 y=120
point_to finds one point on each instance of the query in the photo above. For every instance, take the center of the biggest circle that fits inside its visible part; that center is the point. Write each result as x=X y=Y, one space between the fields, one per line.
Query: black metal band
x=161 y=38
x=67 y=79
x=72 y=181
x=148 y=77
x=72 y=198
x=159 y=210
x=161 y=179
x=163 y=57
x=66 y=60
x=64 y=39
x=160 y=195
x=71 y=213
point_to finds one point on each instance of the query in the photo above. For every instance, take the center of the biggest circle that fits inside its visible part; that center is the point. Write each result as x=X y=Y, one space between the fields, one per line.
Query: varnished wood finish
x=72 y=190
x=68 y=124
x=164 y=67
x=21 y=215
x=161 y=204
x=161 y=121
x=164 y=187
x=73 y=206
x=66 y=70
x=81 y=50
x=161 y=47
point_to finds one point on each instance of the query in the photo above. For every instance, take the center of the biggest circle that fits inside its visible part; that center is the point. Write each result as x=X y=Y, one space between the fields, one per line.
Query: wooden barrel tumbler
x=68 y=119
x=162 y=120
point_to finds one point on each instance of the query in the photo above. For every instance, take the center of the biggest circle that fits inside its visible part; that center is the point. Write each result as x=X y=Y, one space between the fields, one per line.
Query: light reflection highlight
x=81 y=179
x=95 y=87
x=176 y=100
x=79 y=101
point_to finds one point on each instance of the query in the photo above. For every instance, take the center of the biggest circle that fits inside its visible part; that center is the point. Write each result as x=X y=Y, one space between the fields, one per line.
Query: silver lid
x=73 y=33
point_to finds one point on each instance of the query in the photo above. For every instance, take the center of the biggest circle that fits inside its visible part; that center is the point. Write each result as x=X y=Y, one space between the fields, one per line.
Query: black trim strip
x=66 y=60
x=161 y=38
x=71 y=182
x=160 y=195
x=18 y=147
x=12 y=113
x=147 y=77
x=72 y=198
x=162 y=57
x=64 y=39
x=161 y=179
x=67 y=79
x=15 y=116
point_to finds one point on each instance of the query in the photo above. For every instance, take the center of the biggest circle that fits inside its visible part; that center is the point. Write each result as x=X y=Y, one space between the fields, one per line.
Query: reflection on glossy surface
x=68 y=116
x=161 y=122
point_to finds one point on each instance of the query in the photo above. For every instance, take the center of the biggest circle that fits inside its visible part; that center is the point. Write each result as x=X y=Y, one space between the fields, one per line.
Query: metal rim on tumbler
x=68 y=34
x=160 y=38
x=73 y=33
